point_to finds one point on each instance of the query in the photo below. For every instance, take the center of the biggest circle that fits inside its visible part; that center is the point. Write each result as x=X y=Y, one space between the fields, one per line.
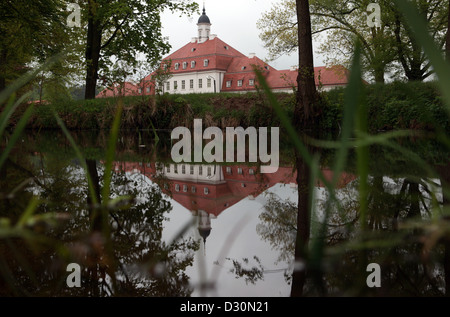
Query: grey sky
x=234 y=22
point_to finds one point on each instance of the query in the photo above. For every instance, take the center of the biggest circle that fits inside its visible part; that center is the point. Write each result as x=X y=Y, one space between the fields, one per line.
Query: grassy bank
x=414 y=105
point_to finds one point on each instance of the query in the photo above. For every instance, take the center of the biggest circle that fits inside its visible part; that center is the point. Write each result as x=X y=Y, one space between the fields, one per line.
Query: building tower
x=204 y=27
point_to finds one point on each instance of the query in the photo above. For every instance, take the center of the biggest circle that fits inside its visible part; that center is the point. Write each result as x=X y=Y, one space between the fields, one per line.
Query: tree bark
x=93 y=48
x=303 y=120
x=303 y=229
x=306 y=91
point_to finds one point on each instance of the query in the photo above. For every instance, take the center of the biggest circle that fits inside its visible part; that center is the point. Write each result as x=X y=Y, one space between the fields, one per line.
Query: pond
x=215 y=230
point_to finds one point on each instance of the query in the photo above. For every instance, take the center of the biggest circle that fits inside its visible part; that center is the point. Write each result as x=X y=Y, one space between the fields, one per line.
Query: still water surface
x=205 y=230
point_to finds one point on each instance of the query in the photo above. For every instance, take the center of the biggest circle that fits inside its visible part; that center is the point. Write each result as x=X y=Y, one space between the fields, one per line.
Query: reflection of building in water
x=207 y=190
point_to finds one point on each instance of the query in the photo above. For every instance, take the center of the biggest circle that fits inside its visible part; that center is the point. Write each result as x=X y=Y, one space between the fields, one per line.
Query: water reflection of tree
x=140 y=264
x=398 y=213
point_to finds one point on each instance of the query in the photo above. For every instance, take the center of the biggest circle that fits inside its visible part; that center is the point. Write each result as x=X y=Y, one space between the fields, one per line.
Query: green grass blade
x=79 y=156
x=28 y=212
x=16 y=134
x=110 y=154
x=286 y=122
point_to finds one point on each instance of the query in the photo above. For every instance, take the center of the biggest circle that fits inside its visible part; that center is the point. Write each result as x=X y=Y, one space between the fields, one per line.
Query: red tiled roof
x=237 y=66
x=218 y=53
x=210 y=47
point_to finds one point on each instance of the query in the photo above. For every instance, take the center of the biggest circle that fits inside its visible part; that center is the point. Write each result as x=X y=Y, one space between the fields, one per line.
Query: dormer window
x=193 y=64
x=177 y=66
x=185 y=65
x=206 y=62
x=244 y=67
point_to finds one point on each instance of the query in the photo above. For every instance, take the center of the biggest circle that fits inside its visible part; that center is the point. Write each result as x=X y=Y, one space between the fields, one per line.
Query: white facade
x=202 y=82
x=211 y=174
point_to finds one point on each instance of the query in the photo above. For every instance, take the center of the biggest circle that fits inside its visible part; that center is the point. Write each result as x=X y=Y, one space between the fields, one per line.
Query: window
x=206 y=190
x=185 y=65
x=251 y=82
x=185 y=188
x=183 y=84
x=209 y=171
x=244 y=67
x=177 y=66
x=176 y=169
x=239 y=83
x=206 y=62
x=168 y=169
x=183 y=169
x=208 y=82
x=194 y=189
x=200 y=83
x=200 y=171
x=251 y=171
x=177 y=187
x=140 y=90
x=191 y=84
x=193 y=64
x=240 y=171
x=168 y=86
x=228 y=169
x=192 y=169
x=175 y=85
x=148 y=90
x=228 y=83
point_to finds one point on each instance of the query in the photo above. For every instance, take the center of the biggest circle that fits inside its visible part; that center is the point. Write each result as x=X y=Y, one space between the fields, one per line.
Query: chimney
x=194 y=40
x=212 y=36
x=251 y=55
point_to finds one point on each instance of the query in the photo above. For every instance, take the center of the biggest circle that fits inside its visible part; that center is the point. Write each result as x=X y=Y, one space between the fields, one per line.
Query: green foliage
x=398 y=105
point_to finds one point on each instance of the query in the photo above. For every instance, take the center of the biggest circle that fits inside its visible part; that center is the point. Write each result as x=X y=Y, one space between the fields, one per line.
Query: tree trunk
x=306 y=91
x=413 y=70
x=303 y=228
x=303 y=120
x=379 y=76
x=93 y=47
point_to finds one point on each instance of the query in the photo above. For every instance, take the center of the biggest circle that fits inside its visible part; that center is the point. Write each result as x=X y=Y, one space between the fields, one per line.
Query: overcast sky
x=234 y=22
